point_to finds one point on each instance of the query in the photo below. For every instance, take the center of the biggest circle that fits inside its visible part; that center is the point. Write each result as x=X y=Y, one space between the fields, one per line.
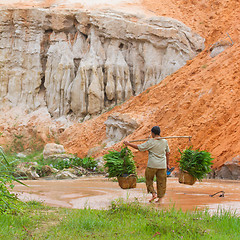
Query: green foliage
x=124 y=220
x=18 y=143
x=87 y=163
x=7 y=199
x=204 y=66
x=120 y=163
x=60 y=164
x=141 y=179
x=195 y=162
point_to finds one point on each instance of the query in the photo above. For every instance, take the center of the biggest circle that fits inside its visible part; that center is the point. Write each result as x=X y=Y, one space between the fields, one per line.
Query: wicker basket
x=186 y=178
x=127 y=182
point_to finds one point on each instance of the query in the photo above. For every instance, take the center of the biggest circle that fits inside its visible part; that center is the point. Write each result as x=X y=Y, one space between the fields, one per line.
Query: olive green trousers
x=161 y=177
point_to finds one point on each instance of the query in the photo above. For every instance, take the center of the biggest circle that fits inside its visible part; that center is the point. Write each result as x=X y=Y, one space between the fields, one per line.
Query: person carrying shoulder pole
x=158 y=162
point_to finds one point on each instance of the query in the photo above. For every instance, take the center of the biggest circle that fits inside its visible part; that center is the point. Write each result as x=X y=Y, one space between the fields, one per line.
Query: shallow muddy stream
x=98 y=192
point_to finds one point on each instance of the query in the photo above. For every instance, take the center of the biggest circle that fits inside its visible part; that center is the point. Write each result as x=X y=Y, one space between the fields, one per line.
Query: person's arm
x=131 y=145
x=167 y=157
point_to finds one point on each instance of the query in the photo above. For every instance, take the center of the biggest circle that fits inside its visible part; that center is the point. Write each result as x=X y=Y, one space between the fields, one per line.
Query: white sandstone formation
x=52 y=149
x=119 y=126
x=80 y=62
x=64 y=174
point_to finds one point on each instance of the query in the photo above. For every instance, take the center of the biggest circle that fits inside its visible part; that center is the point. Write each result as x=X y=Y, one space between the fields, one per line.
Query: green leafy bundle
x=120 y=163
x=195 y=162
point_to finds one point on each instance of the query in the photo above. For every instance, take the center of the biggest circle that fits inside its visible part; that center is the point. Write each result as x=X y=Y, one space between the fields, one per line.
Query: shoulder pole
x=169 y=137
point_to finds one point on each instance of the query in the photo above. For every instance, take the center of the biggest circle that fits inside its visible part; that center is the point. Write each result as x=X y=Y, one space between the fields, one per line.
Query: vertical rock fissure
x=45 y=44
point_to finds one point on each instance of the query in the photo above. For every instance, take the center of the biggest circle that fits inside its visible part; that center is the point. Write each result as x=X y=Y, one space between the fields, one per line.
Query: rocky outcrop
x=72 y=173
x=219 y=47
x=33 y=171
x=27 y=170
x=79 y=62
x=65 y=175
x=229 y=170
x=53 y=150
x=47 y=171
x=119 y=126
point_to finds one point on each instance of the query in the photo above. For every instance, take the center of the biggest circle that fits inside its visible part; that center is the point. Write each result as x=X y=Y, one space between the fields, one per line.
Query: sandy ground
x=99 y=192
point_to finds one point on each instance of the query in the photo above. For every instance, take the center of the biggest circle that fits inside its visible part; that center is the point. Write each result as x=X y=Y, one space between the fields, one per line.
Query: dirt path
x=98 y=192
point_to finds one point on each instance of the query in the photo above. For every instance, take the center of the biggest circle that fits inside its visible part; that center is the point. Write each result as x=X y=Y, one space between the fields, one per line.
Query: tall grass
x=7 y=199
x=126 y=220
x=123 y=220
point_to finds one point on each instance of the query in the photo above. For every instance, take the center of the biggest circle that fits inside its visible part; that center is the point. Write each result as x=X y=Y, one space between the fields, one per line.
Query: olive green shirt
x=157 y=150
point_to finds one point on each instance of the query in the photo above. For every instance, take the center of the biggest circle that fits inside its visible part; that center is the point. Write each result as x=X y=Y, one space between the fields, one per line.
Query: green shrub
x=7 y=199
x=87 y=163
x=120 y=163
x=195 y=162
x=61 y=164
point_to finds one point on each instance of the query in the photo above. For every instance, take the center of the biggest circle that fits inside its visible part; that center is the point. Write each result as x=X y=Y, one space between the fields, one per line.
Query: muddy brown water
x=99 y=192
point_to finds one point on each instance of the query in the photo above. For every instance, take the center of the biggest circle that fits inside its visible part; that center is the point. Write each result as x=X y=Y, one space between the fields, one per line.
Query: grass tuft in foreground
x=123 y=220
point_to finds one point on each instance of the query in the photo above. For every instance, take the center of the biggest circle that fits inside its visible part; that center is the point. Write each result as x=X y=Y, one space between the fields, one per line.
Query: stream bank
x=98 y=192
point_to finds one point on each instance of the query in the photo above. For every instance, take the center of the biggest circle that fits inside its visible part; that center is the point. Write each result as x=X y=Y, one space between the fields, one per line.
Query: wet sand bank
x=99 y=192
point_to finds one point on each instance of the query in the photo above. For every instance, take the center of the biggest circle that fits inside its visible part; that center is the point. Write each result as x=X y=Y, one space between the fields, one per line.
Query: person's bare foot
x=159 y=200
x=154 y=196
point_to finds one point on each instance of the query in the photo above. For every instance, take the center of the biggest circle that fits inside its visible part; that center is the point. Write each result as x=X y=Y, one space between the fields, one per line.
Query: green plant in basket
x=196 y=163
x=120 y=163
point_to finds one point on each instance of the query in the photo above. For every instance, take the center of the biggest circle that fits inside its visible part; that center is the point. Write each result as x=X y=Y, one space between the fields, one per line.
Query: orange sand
x=201 y=99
